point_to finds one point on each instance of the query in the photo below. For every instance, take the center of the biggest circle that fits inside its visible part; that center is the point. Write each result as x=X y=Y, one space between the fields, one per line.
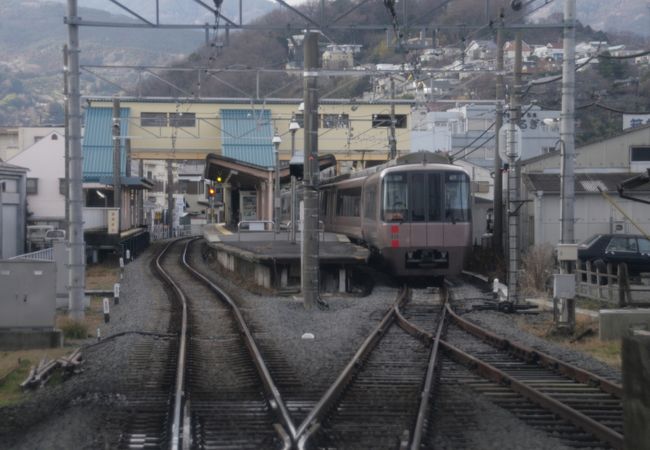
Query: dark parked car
x=601 y=249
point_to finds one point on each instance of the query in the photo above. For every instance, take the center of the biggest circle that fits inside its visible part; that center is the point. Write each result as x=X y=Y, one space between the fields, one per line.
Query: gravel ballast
x=74 y=414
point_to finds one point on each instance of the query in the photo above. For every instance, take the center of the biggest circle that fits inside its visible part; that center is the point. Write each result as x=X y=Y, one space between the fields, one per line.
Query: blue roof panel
x=97 y=144
x=246 y=135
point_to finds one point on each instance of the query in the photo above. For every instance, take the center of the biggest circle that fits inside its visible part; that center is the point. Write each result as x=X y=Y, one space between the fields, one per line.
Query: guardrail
x=288 y=226
x=255 y=226
x=47 y=254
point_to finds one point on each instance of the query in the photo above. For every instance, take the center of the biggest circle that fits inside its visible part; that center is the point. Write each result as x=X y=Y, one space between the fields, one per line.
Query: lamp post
x=276 y=201
x=293 y=127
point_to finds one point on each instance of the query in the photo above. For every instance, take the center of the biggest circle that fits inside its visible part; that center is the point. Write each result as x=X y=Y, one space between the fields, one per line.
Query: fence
x=613 y=285
x=159 y=231
x=47 y=254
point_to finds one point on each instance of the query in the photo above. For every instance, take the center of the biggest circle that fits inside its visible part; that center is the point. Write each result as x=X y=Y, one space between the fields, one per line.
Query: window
x=62 y=186
x=153 y=119
x=383 y=120
x=456 y=197
x=336 y=121
x=394 y=197
x=644 y=246
x=622 y=244
x=640 y=154
x=348 y=202
x=32 y=186
x=186 y=120
x=370 y=202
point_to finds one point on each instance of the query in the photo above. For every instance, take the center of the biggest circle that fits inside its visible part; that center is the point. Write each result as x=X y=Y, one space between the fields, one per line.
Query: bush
x=538 y=265
x=73 y=329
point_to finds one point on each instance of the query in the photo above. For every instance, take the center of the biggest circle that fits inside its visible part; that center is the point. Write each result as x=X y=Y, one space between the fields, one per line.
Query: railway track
x=225 y=395
x=379 y=401
x=582 y=409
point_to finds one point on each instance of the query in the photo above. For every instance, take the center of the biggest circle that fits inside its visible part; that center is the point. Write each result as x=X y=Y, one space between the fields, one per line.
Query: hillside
x=620 y=16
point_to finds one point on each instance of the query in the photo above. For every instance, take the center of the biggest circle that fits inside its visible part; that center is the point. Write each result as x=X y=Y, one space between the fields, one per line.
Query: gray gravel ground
x=505 y=325
x=73 y=414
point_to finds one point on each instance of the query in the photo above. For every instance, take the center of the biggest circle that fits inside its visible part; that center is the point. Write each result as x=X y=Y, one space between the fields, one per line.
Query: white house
x=45 y=160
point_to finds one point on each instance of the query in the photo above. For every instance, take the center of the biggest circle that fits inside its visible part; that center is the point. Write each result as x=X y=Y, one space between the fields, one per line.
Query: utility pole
x=117 y=161
x=66 y=141
x=293 y=127
x=170 y=198
x=567 y=141
x=497 y=232
x=277 y=140
x=514 y=201
x=77 y=266
x=310 y=278
x=391 y=139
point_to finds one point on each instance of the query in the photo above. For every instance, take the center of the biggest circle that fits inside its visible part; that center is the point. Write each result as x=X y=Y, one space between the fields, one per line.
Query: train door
x=434 y=199
x=417 y=210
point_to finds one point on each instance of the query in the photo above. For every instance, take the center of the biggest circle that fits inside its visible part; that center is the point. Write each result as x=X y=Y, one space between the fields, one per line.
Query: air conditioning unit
x=619 y=227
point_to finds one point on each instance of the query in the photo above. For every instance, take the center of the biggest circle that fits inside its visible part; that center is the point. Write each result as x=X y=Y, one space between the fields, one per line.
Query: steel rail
x=316 y=415
x=179 y=391
x=276 y=403
x=490 y=372
x=427 y=391
x=541 y=358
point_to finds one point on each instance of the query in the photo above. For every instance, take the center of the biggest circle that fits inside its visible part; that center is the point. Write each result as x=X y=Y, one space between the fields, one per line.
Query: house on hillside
x=600 y=165
x=45 y=160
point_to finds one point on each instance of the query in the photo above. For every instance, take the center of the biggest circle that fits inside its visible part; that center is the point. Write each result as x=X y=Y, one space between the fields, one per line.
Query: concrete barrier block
x=617 y=323
x=636 y=396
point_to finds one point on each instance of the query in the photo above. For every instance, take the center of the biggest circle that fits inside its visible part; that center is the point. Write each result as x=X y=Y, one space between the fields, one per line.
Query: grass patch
x=102 y=276
x=14 y=368
x=608 y=352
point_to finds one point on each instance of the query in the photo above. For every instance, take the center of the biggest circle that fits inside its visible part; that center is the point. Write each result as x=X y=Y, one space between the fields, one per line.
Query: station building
x=239 y=134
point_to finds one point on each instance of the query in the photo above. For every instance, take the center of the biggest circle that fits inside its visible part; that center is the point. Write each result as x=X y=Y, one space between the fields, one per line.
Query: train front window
x=456 y=197
x=395 y=197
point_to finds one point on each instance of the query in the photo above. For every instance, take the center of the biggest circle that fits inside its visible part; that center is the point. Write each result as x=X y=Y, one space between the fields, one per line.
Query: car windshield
x=587 y=242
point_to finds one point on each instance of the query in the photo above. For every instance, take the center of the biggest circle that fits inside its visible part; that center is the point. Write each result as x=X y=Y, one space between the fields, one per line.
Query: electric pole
x=310 y=262
x=514 y=202
x=391 y=139
x=117 y=161
x=497 y=232
x=77 y=266
x=567 y=142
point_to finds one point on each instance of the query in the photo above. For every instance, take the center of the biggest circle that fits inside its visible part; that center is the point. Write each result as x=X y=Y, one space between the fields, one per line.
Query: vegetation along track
x=580 y=408
x=228 y=398
x=379 y=401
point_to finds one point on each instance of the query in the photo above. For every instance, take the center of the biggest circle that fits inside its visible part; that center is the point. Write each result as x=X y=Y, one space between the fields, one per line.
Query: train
x=413 y=213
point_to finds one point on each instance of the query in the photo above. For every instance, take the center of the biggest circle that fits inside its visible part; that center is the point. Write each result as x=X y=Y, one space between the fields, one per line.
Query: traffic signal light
x=218 y=180
x=212 y=191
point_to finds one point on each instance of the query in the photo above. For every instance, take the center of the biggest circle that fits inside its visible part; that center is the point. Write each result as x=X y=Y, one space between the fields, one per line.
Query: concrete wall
x=593 y=213
x=636 y=386
x=617 y=323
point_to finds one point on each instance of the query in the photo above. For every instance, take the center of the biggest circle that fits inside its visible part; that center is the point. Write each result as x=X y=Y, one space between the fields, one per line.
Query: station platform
x=275 y=261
